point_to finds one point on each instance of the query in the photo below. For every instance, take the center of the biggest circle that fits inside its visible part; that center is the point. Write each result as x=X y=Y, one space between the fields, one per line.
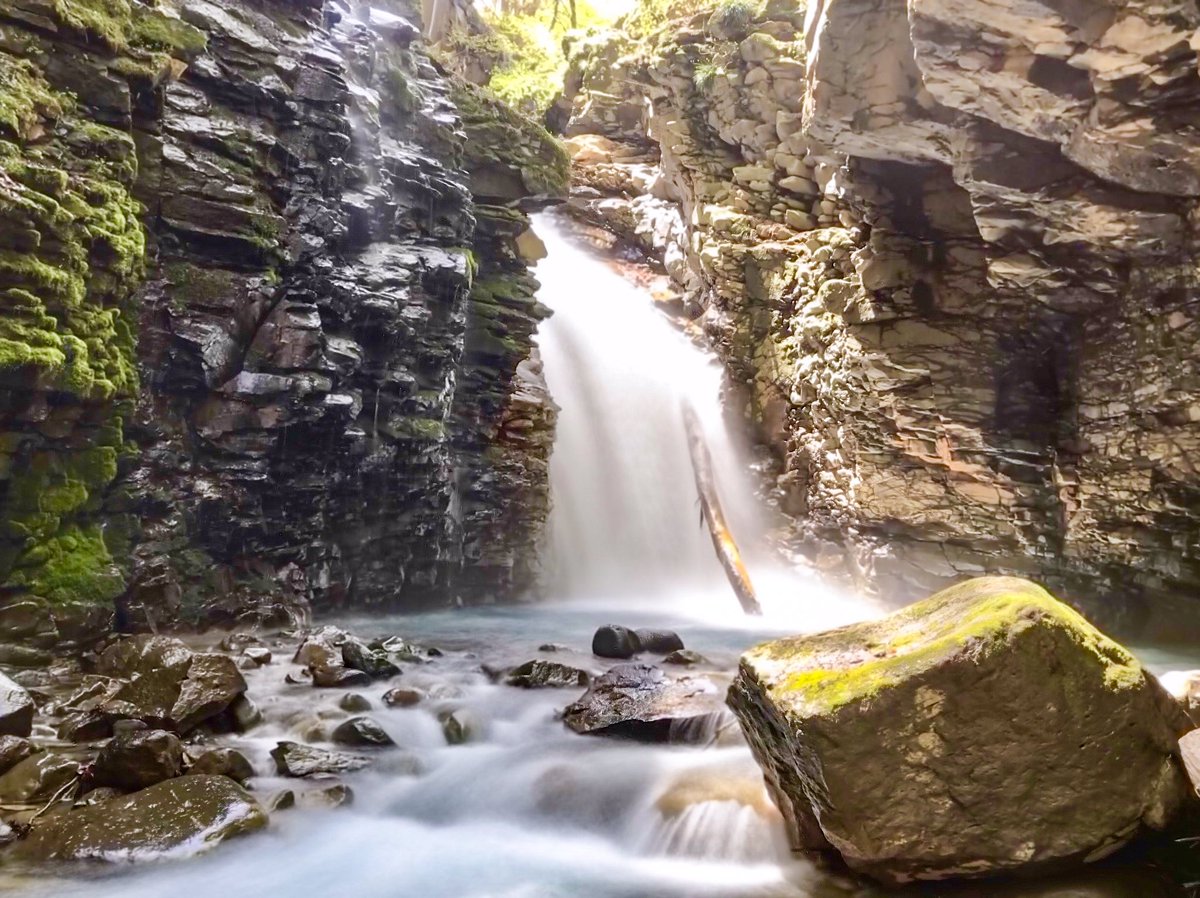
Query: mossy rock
x=985 y=730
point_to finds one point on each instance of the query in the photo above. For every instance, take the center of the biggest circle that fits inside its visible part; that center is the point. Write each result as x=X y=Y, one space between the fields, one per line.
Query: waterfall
x=626 y=521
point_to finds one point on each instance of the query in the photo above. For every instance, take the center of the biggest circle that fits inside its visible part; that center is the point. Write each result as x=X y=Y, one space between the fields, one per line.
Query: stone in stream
x=14 y=750
x=372 y=662
x=294 y=759
x=638 y=701
x=135 y=760
x=354 y=702
x=340 y=678
x=989 y=729
x=179 y=817
x=613 y=641
x=16 y=709
x=257 y=655
x=361 y=731
x=660 y=642
x=539 y=674
x=402 y=697
x=460 y=726
x=336 y=796
x=222 y=762
x=38 y=778
x=685 y=658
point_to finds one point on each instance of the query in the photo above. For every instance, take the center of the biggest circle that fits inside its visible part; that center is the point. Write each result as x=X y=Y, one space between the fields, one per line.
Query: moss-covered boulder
x=987 y=729
x=176 y=818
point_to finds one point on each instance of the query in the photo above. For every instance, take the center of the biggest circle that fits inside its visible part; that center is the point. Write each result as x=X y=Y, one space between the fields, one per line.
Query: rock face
x=985 y=730
x=948 y=255
x=179 y=818
x=271 y=351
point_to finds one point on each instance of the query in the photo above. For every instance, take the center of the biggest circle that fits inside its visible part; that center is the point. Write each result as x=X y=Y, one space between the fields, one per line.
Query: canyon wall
x=948 y=253
x=265 y=337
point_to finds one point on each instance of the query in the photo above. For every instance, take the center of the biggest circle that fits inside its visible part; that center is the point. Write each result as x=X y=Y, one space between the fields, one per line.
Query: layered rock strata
x=266 y=334
x=948 y=253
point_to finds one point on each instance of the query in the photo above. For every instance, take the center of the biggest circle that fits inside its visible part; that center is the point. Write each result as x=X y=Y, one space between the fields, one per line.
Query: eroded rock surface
x=988 y=729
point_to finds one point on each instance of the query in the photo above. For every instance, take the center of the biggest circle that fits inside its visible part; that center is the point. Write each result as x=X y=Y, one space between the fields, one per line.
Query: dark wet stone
x=16 y=709
x=37 y=778
x=539 y=674
x=340 y=678
x=684 y=657
x=660 y=642
x=361 y=731
x=294 y=759
x=354 y=703
x=14 y=750
x=374 y=664
x=135 y=760
x=223 y=762
x=402 y=697
x=613 y=641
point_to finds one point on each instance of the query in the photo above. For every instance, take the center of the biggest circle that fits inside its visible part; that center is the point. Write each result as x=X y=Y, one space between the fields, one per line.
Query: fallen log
x=714 y=516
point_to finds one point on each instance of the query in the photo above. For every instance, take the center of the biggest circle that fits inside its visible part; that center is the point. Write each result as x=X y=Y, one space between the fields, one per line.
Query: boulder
x=222 y=762
x=402 y=698
x=660 y=642
x=14 y=750
x=37 y=778
x=16 y=709
x=354 y=702
x=135 y=760
x=294 y=759
x=989 y=729
x=339 y=678
x=212 y=684
x=546 y=674
x=638 y=701
x=361 y=731
x=612 y=641
x=684 y=658
x=372 y=662
x=257 y=655
x=179 y=817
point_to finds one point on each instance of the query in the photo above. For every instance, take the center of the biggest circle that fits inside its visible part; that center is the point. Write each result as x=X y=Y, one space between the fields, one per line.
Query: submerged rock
x=361 y=731
x=546 y=674
x=294 y=759
x=638 y=701
x=135 y=760
x=613 y=641
x=986 y=730
x=177 y=818
x=684 y=658
x=460 y=726
x=16 y=709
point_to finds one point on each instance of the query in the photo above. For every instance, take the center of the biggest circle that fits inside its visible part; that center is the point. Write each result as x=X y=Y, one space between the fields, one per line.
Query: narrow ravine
x=527 y=809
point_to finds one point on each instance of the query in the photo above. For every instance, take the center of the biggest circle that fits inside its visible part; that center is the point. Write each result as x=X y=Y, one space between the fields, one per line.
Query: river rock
x=179 y=817
x=222 y=762
x=684 y=658
x=989 y=729
x=14 y=750
x=294 y=759
x=135 y=760
x=37 y=778
x=354 y=702
x=638 y=701
x=660 y=642
x=16 y=709
x=340 y=678
x=361 y=731
x=613 y=641
x=373 y=663
x=546 y=674
x=402 y=697
x=460 y=726
x=257 y=655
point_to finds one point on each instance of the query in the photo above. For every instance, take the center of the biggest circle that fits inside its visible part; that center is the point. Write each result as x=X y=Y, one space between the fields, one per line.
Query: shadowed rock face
x=320 y=386
x=948 y=252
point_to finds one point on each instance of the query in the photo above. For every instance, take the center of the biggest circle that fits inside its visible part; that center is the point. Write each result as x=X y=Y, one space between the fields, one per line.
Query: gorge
x=343 y=402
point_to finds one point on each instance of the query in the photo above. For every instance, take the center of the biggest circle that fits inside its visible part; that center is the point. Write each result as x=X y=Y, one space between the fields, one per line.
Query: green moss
x=153 y=30
x=122 y=26
x=72 y=567
x=829 y=670
x=25 y=97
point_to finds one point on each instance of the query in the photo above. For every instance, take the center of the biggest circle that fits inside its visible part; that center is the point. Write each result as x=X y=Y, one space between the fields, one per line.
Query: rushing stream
x=527 y=809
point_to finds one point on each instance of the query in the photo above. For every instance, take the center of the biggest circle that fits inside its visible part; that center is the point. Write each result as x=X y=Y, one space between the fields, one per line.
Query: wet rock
x=638 y=701
x=37 y=778
x=613 y=641
x=245 y=714
x=212 y=684
x=14 y=750
x=660 y=642
x=406 y=651
x=336 y=796
x=294 y=759
x=322 y=648
x=460 y=726
x=16 y=709
x=402 y=697
x=258 y=655
x=340 y=678
x=375 y=664
x=222 y=762
x=135 y=760
x=546 y=674
x=987 y=729
x=283 y=800
x=361 y=731
x=183 y=816
x=354 y=703
x=552 y=647
x=685 y=658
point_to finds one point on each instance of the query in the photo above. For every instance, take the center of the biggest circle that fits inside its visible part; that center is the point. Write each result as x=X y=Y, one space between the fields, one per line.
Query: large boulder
x=538 y=674
x=985 y=730
x=137 y=759
x=638 y=701
x=175 y=818
x=614 y=641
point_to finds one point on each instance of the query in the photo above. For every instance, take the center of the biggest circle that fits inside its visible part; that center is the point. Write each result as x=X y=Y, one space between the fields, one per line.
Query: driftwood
x=714 y=517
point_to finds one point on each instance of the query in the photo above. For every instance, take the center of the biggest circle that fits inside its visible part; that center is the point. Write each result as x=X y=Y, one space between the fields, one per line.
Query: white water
x=528 y=809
